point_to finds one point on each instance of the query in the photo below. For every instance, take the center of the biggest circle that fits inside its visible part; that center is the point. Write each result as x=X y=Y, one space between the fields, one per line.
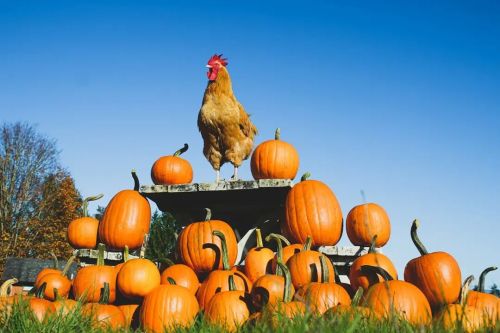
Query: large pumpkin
x=82 y=232
x=168 y=306
x=275 y=159
x=436 y=274
x=89 y=280
x=311 y=209
x=365 y=221
x=395 y=297
x=172 y=169
x=198 y=248
x=126 y=219
x=372 y=258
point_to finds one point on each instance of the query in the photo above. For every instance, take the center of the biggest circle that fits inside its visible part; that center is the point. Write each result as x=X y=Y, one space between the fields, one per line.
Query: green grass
x=21 y=320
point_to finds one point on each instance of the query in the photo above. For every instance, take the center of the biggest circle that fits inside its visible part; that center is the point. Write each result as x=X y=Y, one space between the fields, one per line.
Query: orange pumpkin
x=353 y=310
x=82 y=232
x=64 y=306
x=372 y=258
x=487 y=306
x=103 y=314
x=168 y=306
x=47 y=270
x=126 y=219
x=137 y=277
x=228 y=309
x=57 y=283
x=436 y=274
x=274 y=159
x=217 y=281
x=305 y=267
x=183 y=276
x=258 y=259
x=89 y=280
x=395 y=297
x=169 y=170
x=365 y=221
x=320 y=296
x=456 y=316
x=311 y=209
x=41 y=308
x=131 y=313
x=6 y=299
x=198 y=248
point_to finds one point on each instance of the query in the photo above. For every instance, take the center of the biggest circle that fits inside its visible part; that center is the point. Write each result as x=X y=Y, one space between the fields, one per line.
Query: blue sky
x=400 y=100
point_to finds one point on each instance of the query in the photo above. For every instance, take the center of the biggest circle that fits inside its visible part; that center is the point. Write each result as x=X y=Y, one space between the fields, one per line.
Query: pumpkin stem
x=325 y=274
x=208 y=216
x=372 y=245
x=480 y=286
x=281 y=238
x=308 y=243
x=85 y=203
x=182 y=150
x=68 y=265
x=357 y=297
x=277 y=134
x=279 y=251
x=144 y=245
x=337 y=276
x=55 y=261
x=465 y=290
x=287 y=293
x=56 y=294
x=376 y=270
x=104 y=298
x=171 y=281
x=126 y=253
x=232 y=284
x=136 y=180
x=5 y=287
x=224 y=254
x=258 y=237
x=41 y=290
x=305 y=176
x=100 y=254
x=414 y=237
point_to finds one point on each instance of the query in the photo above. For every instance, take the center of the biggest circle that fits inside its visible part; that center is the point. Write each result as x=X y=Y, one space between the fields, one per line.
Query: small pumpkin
x=372 y=258
x=228 y=309
x=89 y=280
x=47 y=270
x=168 y=306
x=172 y=169
x=312 y=209
x=198 y=248
x=183 y=276
x=436 y=274
x=365 y=221
x=459 y=315
x=103 y=314
x=57 y=283
x=217 y=281
x=320 y=296
x=353 y=310
x=41 y=308
x=64 y=306
x=258 y=259
x=274 y=159
x=396 y=297
x=82 y=232
x=486 y=305
x=137 y=277
x=126 y=219
x=305 y=267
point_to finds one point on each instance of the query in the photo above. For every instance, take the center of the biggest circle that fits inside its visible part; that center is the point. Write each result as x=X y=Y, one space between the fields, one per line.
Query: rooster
x=224 y=125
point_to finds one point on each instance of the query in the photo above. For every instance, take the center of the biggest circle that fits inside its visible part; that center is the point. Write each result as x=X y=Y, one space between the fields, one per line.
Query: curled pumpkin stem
x=416 y=240
x=325 y=274
x=287 y=292
x=279 y=251
x=68 y=265
x=182 y=150
x=224 y=253
x=208 y=214
x=85 y=203
x=5 y=287
x=465 y=290
x=137 y=185
x=373 y=271
x=482 y=277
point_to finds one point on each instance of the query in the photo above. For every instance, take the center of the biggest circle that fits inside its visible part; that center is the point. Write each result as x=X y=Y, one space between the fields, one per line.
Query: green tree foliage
x=162 y=236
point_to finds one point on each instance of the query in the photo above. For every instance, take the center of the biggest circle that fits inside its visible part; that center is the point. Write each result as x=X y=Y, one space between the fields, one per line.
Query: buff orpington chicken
x=226 y=128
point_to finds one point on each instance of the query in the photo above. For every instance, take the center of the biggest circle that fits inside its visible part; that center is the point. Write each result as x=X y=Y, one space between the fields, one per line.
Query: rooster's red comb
x=217 y=58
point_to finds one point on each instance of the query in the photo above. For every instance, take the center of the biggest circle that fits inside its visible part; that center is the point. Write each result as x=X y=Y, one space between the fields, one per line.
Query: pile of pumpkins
x=294 y=280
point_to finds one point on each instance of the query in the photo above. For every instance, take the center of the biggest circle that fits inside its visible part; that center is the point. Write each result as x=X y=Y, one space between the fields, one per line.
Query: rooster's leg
x=217 y=176
x=235 y=174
